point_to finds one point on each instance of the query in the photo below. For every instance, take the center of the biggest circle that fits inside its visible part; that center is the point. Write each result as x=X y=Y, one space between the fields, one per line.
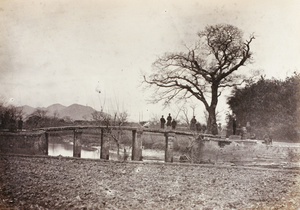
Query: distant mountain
x=26 y=110
x=55 y=109
x=74 y=111
x=77 y=112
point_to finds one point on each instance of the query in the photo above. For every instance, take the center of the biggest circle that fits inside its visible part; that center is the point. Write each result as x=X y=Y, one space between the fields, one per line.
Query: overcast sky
x=67 y=51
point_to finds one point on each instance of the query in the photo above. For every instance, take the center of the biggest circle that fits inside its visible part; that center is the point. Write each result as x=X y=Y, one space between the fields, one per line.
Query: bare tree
x=101 y=117
x=118 y=119
x=186 y=116
x=204 y=70
x=39 y=113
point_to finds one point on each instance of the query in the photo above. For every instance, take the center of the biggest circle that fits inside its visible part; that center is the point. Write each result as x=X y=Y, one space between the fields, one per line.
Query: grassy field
x=70 y=183
x=250 y=154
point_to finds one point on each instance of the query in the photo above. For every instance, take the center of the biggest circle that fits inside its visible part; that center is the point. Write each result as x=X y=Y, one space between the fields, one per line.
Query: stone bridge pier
x=77 y=143
x=137 y=145
x=169 y=137
x=104 y=146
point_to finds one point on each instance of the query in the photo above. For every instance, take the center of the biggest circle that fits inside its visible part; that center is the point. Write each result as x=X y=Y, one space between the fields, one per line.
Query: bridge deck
x=209 y=137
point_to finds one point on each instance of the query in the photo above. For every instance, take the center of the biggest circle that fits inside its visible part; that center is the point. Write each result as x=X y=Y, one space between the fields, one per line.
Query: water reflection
x=66 y=150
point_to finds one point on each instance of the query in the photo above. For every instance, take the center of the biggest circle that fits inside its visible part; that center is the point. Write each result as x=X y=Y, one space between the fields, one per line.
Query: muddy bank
x=70 y=183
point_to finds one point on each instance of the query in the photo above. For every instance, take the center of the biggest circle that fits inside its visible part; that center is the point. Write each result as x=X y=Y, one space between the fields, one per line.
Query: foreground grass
x=69 y=183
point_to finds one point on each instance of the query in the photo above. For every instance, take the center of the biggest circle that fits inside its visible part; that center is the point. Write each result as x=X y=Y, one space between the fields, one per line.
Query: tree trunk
x=212 y=122
x=118 y=144
x=212 y=127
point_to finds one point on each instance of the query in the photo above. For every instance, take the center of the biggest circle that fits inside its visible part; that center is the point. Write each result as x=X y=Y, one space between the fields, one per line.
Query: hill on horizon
x=74 y=111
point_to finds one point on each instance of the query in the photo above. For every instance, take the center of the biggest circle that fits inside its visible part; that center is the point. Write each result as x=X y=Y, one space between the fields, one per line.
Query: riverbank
x=69 y=183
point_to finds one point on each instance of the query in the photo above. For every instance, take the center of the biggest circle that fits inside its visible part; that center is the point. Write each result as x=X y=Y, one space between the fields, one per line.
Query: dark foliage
x=35 y=121
x=10 y=118
x=271 y=106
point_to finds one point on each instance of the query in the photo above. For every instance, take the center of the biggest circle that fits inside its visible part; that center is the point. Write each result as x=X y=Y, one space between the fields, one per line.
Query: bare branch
x=202 y=70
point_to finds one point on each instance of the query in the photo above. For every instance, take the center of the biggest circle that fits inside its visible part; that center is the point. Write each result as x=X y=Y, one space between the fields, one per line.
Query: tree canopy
x=270 y=106
x=203 y=70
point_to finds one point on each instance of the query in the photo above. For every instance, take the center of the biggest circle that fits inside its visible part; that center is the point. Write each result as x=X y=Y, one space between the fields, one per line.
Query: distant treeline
x=13 y=119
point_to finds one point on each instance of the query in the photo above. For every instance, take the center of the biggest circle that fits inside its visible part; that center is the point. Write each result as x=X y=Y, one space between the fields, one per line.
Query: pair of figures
x=169 y=121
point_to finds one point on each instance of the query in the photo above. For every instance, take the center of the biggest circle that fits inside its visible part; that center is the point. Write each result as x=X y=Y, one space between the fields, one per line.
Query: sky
x=95 y=52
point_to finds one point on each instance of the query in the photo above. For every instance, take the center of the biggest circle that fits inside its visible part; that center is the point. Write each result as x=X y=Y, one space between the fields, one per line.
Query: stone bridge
x=212 y=149
x=36 y=142
x=136 y=139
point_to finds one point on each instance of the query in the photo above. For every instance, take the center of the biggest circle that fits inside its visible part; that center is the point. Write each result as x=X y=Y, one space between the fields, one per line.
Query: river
x=66 y=150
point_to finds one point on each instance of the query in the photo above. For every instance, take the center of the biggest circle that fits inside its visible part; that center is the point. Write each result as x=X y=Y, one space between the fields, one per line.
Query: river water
x=66 y=150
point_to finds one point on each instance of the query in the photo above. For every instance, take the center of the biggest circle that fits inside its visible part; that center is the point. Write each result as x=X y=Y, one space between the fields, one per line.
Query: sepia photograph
x=147 y=104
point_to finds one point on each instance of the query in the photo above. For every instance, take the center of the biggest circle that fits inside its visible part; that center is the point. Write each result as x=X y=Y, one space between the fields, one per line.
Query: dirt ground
x=71 y=183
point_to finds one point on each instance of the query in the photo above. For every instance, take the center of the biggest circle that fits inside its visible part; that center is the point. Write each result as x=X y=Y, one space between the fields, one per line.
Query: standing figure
x=219 y=128
x=233 y=125
x=239 y=130
x=193 y=123
x=169 y=120
x=20 y=124
x=174 y=123
x=198 y=127
x=1 y=119
x=248 y=127
x=268 y=139
x=6 y=120
x=203 y=128
x=12 y=123
x=162 y=122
